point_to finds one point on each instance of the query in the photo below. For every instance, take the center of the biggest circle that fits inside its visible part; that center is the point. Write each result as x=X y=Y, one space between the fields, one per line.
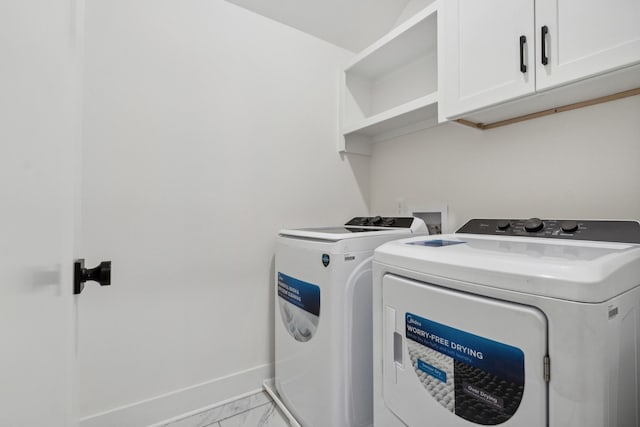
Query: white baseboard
x=189 y=399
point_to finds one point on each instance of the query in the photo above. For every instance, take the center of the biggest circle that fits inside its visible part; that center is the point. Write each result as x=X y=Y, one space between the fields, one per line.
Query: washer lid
x=343 y=232
x=361 y=227
x=574 y=270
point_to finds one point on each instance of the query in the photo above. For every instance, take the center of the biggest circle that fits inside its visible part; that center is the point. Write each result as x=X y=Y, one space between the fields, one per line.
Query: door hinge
x=546 y=369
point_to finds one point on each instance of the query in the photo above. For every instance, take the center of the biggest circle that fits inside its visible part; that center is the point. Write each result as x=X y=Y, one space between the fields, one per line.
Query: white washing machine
x=323 y=338
x=522 y=323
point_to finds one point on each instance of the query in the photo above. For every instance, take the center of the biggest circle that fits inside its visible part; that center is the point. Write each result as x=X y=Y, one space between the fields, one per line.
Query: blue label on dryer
x=435 y=243
x=493 y=357
x=432 y=370
x=475 y=378
x=299 y=293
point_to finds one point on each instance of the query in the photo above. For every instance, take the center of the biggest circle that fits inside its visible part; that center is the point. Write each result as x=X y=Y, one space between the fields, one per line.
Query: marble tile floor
x=255 y=410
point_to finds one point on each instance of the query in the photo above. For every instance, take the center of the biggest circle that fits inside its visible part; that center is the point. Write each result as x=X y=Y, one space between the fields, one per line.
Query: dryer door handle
x=397 y=348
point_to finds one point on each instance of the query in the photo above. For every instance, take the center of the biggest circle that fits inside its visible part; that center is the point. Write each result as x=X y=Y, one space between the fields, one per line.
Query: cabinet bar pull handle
x=523 y=66
x=543 y=41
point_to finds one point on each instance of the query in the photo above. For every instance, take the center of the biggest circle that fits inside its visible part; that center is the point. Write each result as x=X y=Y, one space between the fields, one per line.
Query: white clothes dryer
x=323 y=335
x=517 y=323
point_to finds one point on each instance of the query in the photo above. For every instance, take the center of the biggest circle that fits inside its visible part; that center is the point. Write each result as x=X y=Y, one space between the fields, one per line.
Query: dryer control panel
x=602 y=231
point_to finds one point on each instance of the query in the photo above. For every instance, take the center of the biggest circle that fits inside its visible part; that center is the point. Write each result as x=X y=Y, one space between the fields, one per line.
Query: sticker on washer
x=299 y=304
x=476 y=378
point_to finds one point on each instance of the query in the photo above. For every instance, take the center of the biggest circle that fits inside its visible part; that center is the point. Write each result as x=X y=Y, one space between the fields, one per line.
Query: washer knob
x=376 y=220
x=533 y=224
x=504 y=224
x=388 y=222
x=569 y=226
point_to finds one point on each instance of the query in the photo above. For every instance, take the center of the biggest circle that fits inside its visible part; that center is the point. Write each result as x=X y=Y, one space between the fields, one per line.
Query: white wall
x=579 y=164
x=207 y=129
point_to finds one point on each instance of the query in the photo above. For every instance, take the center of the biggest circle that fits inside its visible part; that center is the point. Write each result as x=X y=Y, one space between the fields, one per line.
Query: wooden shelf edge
x=568 y=107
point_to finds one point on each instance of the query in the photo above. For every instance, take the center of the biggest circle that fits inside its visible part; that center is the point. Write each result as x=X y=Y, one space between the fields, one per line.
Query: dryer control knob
x=376 y=220
x=504 y=224
x=533 y=224
x=569 y=226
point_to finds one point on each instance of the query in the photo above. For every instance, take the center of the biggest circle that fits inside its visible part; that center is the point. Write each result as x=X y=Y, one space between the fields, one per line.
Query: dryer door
x=452 y=358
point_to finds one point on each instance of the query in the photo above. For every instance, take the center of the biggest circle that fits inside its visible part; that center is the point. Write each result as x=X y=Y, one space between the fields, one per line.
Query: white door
x=483 y=41
x=39 y=161
x=585 y=38
x=459 y=360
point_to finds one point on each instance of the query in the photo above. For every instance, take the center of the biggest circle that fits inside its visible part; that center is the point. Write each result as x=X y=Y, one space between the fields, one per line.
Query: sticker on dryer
x=477 y=379
x=299 y=304
x=438 y=243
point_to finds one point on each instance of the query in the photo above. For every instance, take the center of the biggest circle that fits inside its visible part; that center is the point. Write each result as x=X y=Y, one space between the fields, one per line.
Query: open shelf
x=391 y=88
x=422 y=112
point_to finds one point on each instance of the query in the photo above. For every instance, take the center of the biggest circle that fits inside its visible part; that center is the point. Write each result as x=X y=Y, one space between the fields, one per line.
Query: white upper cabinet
x=391 y=88
x=482 y=48
x=585 y=38
x=494 y=49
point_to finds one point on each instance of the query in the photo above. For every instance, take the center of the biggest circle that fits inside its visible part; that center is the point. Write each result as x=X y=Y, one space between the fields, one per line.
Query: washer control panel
x=379 y=221
x=602 y=231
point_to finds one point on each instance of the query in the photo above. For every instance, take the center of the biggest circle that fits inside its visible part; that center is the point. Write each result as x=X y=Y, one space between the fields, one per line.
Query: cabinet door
x=585 y=38
x=482 y=53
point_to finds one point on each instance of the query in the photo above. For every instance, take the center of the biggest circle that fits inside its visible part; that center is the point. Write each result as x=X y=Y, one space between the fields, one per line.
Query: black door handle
x=523 y=66
x=100 y=274
x=543 y=41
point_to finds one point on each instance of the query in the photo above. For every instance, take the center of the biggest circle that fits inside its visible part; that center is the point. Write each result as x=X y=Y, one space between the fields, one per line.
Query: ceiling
x=351 y=24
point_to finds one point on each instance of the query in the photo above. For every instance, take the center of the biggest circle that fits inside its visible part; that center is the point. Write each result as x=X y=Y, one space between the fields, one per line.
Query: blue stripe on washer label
x=432 y=370
x=299 y=293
